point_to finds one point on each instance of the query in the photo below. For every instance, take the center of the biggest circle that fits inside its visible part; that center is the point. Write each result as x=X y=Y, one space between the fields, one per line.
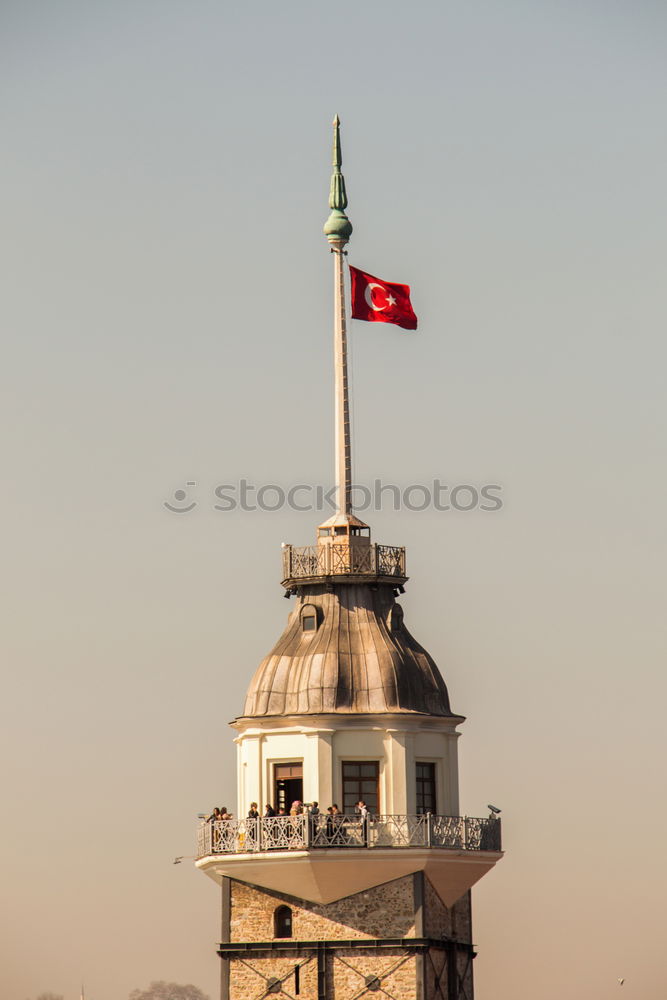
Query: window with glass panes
x=360 y=781
x=425 y=788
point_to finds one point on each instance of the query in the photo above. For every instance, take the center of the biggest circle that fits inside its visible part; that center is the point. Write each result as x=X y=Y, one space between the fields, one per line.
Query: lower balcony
x=324 y=858
x=307 y=832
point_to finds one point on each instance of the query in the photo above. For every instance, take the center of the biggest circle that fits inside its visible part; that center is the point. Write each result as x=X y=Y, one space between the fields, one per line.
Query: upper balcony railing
x=308 y=832
x=338 y=560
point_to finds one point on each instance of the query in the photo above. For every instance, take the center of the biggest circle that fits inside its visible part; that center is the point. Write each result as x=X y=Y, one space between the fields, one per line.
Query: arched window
x=309 y=618
x=282 y=922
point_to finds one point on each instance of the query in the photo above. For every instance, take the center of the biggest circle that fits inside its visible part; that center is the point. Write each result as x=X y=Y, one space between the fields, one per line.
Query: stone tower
x=347 y=708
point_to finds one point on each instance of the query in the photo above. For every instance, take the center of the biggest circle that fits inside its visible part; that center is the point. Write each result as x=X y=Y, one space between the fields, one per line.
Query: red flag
x=381 y=301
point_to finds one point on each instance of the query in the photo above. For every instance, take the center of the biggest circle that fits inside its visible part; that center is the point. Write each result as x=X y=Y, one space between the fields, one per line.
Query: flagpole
x=343 y=449
x=338 y=230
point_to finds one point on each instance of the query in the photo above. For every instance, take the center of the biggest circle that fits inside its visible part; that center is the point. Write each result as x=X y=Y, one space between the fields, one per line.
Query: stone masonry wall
x=251 y=976
x=440 y=921
x=380 y=912
x=386 y=911
x=346 y=974
x=453 y=923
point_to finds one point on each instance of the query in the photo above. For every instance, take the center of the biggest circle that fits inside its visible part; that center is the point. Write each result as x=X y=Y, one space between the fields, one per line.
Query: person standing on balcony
x=293 y=826
x=313 y=813
x=269 y=811
x=252 y=827
x=329 y=826
x=337 y=822
x=363 y=811
x=213 y=819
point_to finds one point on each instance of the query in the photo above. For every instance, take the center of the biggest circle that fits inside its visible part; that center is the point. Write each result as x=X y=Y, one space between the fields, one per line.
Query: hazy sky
x=167 y=319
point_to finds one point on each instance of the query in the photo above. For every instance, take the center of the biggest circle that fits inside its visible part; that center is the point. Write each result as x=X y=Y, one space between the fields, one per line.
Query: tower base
x=397 y=940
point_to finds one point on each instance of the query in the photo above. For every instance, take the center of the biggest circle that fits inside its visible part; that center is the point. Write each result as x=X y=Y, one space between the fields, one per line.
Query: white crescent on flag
x=368 y=295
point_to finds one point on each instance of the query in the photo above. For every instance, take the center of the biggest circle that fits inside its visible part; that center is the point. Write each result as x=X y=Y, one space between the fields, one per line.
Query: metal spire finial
x=338 y=227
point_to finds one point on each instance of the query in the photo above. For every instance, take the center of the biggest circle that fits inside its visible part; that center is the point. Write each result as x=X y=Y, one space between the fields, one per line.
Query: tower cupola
x=346 y=650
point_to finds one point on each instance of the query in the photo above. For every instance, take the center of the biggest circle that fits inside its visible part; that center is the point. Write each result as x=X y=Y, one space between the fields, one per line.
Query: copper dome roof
x=353 y=656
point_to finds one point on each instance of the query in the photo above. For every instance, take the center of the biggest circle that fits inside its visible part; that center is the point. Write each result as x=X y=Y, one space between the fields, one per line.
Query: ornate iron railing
x=336 y=831
x=307 y=832
x=390 y=560
x=343 y=559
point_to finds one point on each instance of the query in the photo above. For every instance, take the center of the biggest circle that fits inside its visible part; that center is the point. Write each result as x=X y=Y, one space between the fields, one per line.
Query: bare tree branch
x=160 y=990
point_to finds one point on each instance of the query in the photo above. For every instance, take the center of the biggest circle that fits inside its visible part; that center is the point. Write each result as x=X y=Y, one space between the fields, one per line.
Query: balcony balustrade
x=306 y=833
x=343 y=560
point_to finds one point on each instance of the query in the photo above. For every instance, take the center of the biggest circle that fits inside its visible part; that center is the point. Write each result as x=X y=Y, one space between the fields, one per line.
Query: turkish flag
x=381 y=301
